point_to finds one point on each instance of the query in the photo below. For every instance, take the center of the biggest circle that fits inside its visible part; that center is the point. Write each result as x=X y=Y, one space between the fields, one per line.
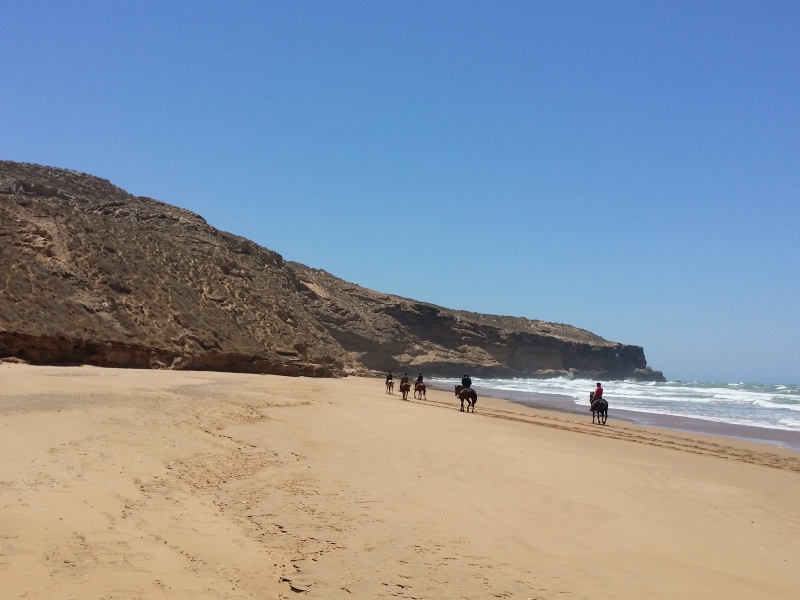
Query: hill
x=94 y=275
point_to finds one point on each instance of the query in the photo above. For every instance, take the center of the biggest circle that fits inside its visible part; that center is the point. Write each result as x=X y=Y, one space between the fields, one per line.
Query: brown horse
x=599 y=408
x=419 y=388
x=405 y=387
x=390 y=386
x=467 y=394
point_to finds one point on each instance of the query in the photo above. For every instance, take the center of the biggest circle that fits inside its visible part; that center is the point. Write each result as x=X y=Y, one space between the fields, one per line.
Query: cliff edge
x=94 y=275
x=390 y=332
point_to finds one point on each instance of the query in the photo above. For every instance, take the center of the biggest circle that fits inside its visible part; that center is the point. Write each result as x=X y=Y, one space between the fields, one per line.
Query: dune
x=122 y=484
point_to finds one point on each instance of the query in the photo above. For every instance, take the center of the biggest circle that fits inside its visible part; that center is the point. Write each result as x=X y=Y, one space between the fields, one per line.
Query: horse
x=599 y=409
x=467 y=394
x=390 y=386
x=405 y=387
x=419 y=388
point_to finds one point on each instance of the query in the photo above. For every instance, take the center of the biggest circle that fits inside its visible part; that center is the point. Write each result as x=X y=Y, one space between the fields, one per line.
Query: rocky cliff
x=93 y=275
x=390 y=332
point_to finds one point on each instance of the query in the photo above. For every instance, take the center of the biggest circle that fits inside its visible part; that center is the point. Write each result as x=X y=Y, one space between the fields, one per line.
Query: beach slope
x=172 y=484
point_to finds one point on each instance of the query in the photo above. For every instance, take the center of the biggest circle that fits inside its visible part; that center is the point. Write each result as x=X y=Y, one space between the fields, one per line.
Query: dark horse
x=467 y=394
x=419 y=388
x=599 y=408
x=404 y=389
x=390 y=386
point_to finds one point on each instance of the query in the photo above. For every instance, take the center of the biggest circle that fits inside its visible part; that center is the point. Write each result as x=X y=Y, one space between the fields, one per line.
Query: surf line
x=672 y=442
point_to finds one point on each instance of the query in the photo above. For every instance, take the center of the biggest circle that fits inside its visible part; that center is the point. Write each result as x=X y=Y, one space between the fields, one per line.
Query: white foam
x=762 y=405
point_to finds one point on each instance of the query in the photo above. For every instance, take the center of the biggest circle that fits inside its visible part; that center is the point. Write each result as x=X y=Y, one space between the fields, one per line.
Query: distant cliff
x=390 y=332
x=90 y=274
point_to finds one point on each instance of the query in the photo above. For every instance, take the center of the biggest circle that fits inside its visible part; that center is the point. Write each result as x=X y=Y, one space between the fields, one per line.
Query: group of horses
x=467 y=395
x=405 y=387
x=598 y=407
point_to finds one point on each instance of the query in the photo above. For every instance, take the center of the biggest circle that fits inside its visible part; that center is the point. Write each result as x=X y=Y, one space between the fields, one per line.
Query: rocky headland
x=94 y=275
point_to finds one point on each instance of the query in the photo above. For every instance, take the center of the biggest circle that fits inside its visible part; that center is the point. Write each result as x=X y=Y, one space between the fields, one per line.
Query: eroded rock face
x=93 y=275
x=390 y=332
x=90 y=274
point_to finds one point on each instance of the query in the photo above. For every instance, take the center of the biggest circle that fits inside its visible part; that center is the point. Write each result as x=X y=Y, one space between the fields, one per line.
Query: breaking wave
x=761 y=405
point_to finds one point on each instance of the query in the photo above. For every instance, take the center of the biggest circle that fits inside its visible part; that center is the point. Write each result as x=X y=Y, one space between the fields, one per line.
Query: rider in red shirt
x=598 y=393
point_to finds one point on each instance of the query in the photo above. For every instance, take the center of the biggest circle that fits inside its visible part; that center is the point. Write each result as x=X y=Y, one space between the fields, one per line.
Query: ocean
x=769 y=406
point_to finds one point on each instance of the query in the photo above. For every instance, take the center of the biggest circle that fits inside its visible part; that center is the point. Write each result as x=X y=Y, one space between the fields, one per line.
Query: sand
x=123 y=484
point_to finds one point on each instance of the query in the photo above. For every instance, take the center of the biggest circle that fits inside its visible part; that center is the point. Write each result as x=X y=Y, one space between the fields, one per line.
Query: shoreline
x=565 y=404
x=207 y=485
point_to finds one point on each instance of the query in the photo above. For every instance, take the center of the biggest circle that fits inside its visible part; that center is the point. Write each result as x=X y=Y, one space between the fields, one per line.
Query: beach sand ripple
x=123 y=484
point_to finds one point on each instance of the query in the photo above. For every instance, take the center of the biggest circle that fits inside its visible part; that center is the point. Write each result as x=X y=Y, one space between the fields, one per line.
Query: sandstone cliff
x=92 y=274
x=390 y=332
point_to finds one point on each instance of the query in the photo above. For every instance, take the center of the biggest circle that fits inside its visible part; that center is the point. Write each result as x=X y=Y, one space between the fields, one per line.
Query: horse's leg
x=462 y=403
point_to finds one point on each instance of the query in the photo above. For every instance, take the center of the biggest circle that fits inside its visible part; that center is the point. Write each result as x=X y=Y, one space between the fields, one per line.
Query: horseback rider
x=419 y=379
x=389 y=377
x=404 y=378
x=598 y=405
x=466 y=382
x=597 y=394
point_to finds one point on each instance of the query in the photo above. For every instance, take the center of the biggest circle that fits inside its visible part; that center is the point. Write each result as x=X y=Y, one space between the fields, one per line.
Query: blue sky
x=629 y=168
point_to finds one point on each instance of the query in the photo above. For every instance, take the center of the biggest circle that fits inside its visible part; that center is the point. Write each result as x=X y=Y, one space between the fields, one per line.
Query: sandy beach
x=126 y=484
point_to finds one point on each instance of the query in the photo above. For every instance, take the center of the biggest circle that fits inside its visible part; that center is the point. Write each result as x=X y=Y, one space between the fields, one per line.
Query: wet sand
x=122 y=484
x=562 y=403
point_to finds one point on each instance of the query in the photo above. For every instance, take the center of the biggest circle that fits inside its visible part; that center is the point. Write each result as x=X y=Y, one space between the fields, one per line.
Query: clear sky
x=629 y=168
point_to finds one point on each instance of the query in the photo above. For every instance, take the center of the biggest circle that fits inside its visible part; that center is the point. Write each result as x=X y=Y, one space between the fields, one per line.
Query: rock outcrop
x=90 y=274
x=390 y=332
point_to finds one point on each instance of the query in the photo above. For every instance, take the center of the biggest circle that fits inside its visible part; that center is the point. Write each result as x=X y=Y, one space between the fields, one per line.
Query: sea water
x=761 y=405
